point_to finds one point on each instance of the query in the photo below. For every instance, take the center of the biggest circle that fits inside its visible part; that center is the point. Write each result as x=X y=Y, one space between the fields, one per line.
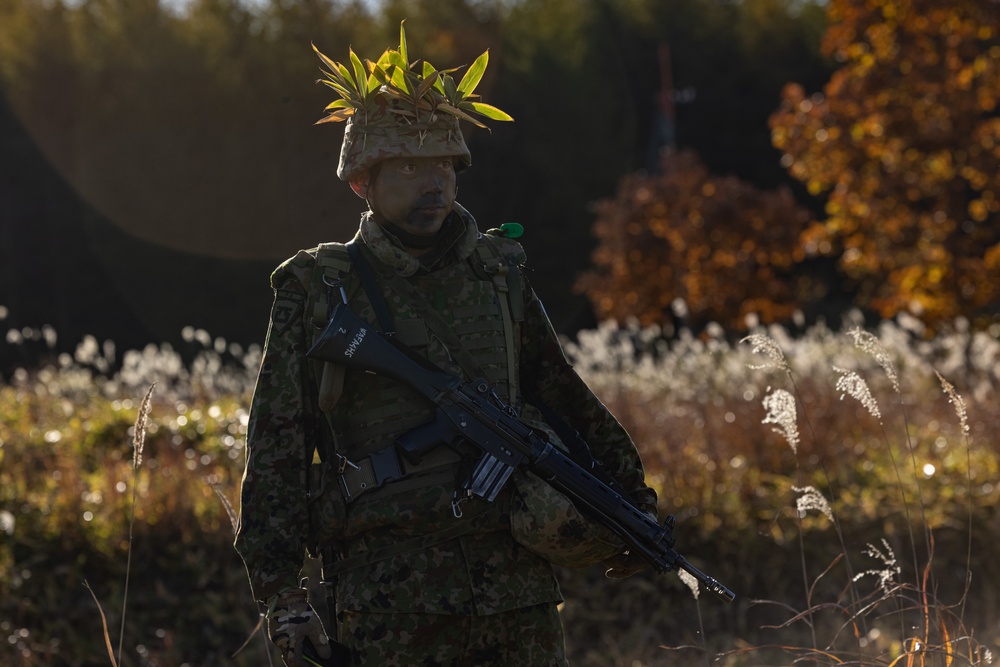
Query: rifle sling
x=434 y=321
x=370 y=284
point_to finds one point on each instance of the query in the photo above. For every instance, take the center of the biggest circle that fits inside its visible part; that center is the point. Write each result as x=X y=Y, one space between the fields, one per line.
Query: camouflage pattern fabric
x=290 y=621
x=483 y=573
x=380 y=134
x=549 y=524
x=528 y=636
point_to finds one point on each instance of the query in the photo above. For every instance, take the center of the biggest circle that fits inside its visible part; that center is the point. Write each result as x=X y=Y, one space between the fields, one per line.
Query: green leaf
x=373 y=84
x=360 y=75
x=426 y=84
x=326 y=61
x=449 y=89
x=458 y=113
x=490 y=111
x=345 y=78
x=475 y=73
x=347 y=93
x=338 y=104
x=381 y=75
x=398 y=80
x=402 y=44
x=336 y=117
x=412 y=80
x=373 y=81
x=438 y=83
x=396 y=59
x=384 y=60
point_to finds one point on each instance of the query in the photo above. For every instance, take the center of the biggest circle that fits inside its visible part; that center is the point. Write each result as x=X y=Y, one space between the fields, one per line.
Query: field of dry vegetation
x=843 y=483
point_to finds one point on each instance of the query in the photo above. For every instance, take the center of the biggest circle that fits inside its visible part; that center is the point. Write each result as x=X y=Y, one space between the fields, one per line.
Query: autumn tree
x=904 y=142
x=725 y=248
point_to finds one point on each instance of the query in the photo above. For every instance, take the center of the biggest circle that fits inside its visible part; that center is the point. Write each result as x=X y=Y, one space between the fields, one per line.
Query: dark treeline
x=158 y=160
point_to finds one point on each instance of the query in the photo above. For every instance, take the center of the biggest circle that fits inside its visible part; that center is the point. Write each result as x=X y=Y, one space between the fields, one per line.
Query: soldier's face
x=415 y=193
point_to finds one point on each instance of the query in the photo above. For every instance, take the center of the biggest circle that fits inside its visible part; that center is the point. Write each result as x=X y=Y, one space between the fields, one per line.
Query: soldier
x=423 y=576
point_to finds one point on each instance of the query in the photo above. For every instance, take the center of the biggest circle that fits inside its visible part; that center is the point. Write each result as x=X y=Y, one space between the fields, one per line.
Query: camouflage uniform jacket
x=482 y=572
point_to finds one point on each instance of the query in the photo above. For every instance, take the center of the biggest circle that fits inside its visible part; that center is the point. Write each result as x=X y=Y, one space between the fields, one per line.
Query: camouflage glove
x=290 y=622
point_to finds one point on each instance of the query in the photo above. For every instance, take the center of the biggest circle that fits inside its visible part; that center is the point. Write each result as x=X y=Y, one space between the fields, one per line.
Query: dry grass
x=799 y=477
x=849 y=534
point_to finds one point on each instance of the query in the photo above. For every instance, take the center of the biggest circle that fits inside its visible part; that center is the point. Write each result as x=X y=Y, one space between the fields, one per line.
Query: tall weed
x=856 y=482
x=798 y=525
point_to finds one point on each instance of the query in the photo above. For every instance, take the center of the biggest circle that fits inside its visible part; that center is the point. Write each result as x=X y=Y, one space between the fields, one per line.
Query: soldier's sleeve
x=547 y=372
x=273 y=502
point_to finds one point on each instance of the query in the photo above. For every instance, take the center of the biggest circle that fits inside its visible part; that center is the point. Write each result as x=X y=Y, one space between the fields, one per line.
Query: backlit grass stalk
x=234 y=521
x=781 y=412
x=851 y=384
x=868 y=343
x=920 y=646
x=788 y=427
x=138 y=443
x=960 y=411
x=104 y=624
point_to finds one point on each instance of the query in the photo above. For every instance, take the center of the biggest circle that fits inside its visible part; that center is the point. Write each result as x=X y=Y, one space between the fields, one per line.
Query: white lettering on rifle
x=355 y=344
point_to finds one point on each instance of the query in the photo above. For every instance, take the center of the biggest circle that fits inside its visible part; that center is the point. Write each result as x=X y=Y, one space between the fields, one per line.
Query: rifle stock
x=471 y=411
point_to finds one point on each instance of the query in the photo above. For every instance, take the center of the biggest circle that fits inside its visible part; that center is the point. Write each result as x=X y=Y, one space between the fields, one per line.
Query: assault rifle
x=472 y=411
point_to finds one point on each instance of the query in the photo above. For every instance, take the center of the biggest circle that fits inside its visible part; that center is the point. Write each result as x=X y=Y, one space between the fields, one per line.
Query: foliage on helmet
x=421 y=89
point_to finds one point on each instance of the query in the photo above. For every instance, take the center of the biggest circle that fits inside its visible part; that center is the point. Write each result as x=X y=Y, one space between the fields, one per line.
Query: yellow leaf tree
x=904 y=143
x=720 y=245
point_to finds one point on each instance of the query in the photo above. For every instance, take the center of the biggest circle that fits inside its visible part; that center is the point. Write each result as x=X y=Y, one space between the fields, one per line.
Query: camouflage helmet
x=385 y=132
x=397 y=108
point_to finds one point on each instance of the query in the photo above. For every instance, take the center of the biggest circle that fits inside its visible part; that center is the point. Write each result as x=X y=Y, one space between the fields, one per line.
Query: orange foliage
x=723 y=247
x=905 y=142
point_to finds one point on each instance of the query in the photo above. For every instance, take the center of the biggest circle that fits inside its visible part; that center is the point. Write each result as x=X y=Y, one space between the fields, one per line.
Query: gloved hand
x=624 y=565
x=290 y=621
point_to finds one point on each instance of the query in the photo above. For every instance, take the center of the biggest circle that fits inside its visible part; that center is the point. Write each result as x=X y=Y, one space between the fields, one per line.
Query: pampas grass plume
x=780 y=406
x=852 y=384
x=867 y=342
x=139 y=430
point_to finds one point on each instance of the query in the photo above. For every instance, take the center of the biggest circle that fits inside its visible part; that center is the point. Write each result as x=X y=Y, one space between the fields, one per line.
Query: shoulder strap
x=507 y=283
x=334 y=264
x=372 y=289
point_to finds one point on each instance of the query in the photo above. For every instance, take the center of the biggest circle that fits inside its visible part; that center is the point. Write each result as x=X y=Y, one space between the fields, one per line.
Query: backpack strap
x=333 y=264
x=506 y=278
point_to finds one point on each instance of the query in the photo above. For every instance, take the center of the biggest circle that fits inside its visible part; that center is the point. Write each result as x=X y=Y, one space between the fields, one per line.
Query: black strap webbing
x=372 y=289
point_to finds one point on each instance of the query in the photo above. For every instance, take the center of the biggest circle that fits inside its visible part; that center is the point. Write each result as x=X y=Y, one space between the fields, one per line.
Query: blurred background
x=682 y=162
x=159 y=158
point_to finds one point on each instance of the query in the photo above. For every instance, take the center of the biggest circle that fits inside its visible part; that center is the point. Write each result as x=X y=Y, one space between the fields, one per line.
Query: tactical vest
x=465 y=318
